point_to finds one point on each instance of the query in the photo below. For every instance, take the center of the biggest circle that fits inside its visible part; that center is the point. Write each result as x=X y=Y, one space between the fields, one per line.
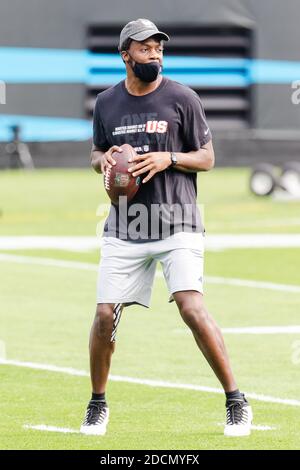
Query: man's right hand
x=101 y=161
x=107 y=160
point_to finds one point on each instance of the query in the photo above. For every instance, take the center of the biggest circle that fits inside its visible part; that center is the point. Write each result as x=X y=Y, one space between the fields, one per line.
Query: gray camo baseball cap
x=139 y=30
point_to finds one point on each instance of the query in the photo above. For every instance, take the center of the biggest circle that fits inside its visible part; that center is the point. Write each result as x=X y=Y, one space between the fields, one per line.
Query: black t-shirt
x=171 y=118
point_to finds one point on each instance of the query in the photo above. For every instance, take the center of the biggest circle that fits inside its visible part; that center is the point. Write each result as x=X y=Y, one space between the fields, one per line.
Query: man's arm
x=190 y=162
x=198 y=160
x=96 y=158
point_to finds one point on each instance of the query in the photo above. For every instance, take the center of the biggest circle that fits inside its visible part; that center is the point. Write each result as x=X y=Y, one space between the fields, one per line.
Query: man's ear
x=124 y=56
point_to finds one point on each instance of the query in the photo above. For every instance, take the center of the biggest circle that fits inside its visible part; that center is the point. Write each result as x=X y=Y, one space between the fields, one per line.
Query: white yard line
x=233 y=241
x=261 y=427
x=212 y=242
x=254 y=284
x=47 y=428
x=263 y=330
x=253 y=330
x=94 y=267
x=149 y=382
x=45 y=367
x=258 y=223
x=44 y=427
x=35 y=260
x=257 y=427
x=50 y=243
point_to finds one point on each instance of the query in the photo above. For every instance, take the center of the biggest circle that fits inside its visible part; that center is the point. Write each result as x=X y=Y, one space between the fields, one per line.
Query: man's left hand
x=152 y=162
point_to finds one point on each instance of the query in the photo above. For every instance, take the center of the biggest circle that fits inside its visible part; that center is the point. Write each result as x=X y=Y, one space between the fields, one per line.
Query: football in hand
x=117 y=180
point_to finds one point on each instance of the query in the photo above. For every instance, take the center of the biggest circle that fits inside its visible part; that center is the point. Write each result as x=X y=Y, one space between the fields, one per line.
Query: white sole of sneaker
x=236 y=431
x=95 y=430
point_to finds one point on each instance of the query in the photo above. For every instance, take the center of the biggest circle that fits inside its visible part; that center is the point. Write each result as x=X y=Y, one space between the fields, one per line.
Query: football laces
x=107 y=178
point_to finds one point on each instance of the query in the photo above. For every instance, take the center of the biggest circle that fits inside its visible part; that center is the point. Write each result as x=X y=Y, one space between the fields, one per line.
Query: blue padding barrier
x=49 y=66
x=45 y=129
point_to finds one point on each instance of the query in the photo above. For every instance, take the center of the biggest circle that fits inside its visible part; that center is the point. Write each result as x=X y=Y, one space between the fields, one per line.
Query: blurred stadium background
x=242 y=57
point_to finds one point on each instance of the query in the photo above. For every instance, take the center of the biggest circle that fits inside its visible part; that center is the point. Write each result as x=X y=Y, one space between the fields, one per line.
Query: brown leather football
x=117 y=180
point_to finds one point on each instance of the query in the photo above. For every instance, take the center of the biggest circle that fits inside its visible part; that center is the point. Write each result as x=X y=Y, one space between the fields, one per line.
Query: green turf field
x=46 y=313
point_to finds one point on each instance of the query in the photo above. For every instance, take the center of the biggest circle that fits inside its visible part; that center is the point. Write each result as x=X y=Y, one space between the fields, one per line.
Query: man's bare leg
x=210 y=341
x=207 y=335
x=101 y=345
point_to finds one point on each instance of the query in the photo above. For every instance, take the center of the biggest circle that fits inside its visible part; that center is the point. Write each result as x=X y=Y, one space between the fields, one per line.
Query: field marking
x=261 y=427
x=35 y=260
x=233 y=241
x=254 y=284
x=76 y=243
x=263 y=330
x=255 y=223
x=45 y=367
x=148 y=382
x=159 y=274
x=212 y=242
x=253 y=330
x=45 y=427
x=257 y=427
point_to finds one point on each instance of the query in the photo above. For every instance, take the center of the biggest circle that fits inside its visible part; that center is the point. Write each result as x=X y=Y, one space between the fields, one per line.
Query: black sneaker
x=96 y=418
x=238 y=418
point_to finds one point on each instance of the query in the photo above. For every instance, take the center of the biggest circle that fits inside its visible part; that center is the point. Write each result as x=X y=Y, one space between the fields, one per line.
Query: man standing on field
x=165 y=123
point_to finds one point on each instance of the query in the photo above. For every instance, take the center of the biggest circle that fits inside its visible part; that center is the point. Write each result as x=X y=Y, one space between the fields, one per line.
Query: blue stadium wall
x=52 y=71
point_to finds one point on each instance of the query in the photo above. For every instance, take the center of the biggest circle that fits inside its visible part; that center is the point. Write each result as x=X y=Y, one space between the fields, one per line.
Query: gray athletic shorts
x=127 y=269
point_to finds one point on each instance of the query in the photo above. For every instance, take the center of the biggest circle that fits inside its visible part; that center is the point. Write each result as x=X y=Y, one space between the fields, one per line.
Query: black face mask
x=147 y=72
